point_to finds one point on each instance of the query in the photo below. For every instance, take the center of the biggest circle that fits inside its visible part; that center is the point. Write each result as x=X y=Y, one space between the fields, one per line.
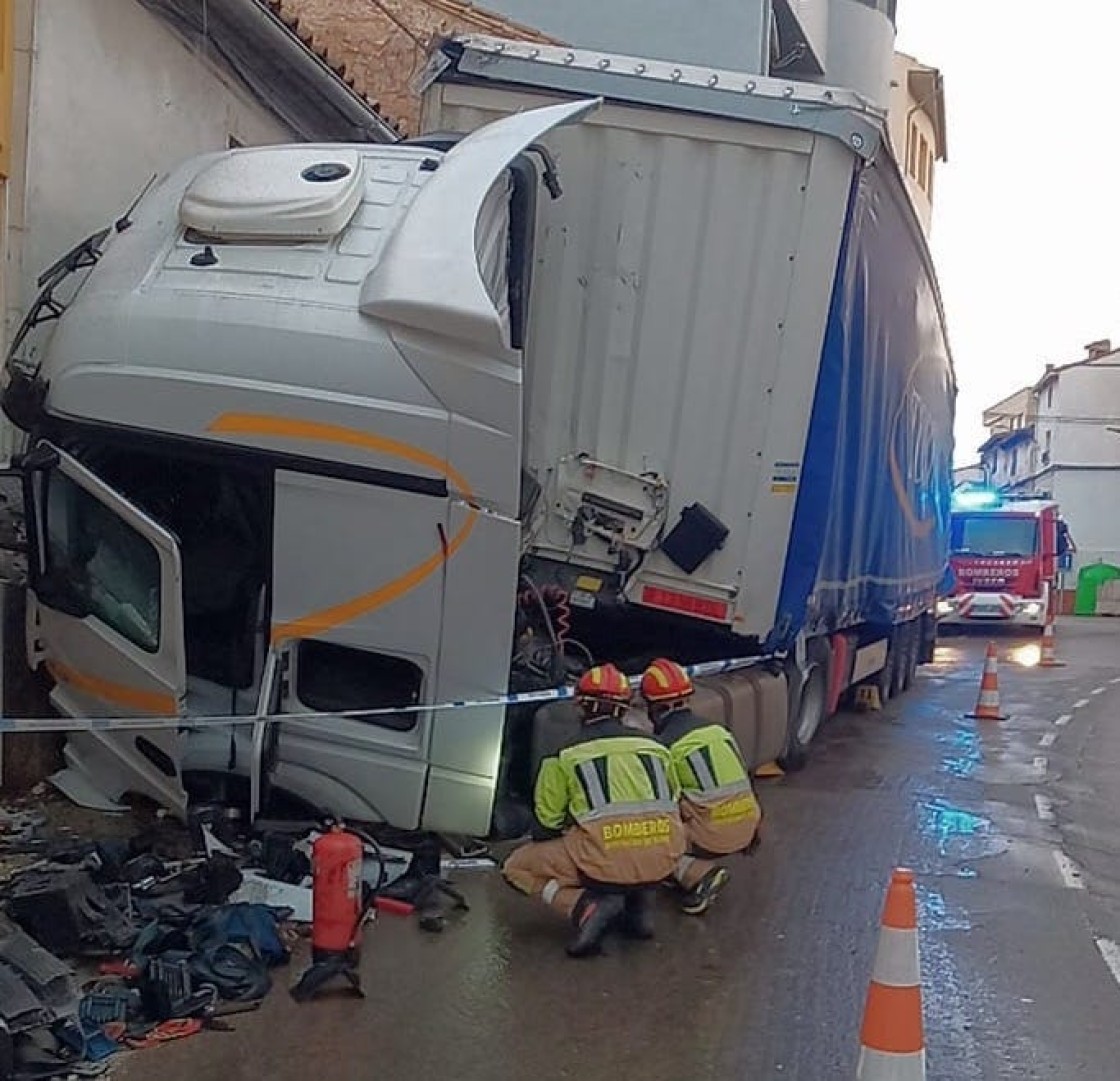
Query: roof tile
x=378 y=46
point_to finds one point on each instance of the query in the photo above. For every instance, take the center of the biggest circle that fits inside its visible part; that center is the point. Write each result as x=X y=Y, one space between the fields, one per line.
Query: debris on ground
x=123 y=932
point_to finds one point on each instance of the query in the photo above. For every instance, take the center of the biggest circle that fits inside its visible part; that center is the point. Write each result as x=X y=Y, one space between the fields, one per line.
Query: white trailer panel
x=680 y=297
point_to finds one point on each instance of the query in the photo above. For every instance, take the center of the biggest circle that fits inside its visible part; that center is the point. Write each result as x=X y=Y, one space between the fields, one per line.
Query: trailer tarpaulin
x=870 y=529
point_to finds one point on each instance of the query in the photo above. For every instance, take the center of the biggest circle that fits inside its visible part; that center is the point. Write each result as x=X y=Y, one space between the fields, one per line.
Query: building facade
x=104 y=97
x=1060 y=438
x=384 y=46
x=917 y=126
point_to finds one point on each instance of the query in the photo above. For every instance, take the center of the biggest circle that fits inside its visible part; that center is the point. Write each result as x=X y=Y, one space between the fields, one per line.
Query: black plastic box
x=696 y=536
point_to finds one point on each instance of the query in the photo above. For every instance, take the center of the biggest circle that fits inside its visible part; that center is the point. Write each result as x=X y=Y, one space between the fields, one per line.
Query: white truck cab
x=241 y=479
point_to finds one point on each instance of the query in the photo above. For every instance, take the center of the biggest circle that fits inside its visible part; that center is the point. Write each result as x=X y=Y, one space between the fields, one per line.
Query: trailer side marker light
x=672 y=600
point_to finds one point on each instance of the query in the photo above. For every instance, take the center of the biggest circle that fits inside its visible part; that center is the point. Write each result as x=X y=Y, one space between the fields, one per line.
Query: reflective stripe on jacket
x=619 y=791
x=717 y=803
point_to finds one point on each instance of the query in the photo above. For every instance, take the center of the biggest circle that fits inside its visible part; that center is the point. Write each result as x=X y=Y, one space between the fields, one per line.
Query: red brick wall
x=383 y=43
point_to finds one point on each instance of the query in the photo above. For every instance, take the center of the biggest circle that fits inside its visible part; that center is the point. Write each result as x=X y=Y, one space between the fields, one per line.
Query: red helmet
x=665 y=681
x=605 y=683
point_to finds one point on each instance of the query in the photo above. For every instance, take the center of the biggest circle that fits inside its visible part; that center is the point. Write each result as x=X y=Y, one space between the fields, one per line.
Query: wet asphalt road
x=771 y=984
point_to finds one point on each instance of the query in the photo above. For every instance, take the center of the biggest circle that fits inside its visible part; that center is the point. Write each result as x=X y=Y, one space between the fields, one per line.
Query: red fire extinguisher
x=337 y=911
x=336 y=899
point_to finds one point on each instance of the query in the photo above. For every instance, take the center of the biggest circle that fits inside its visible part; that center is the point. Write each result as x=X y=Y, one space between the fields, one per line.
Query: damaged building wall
x=383 y=44
x=114 y=97
x=104 y=96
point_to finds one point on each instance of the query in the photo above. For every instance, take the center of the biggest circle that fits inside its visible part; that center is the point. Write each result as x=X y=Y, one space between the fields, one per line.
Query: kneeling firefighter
x=608 y=801
x=718 y=806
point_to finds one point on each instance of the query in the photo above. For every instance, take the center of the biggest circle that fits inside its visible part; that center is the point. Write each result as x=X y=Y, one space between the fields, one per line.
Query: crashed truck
x=626 y=359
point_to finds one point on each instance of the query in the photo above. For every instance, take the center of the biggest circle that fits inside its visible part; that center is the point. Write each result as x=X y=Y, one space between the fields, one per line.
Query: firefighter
x=718 y=806
x=608 y=802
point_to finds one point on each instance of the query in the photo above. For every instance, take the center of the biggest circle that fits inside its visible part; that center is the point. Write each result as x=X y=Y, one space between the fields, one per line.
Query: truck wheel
x=907 y=663
x=885 y=680
x=806 y=718
x=927 y=638
x=914 y=653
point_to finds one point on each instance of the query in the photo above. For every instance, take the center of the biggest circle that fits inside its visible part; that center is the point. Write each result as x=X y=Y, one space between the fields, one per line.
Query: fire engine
x=1005 y=554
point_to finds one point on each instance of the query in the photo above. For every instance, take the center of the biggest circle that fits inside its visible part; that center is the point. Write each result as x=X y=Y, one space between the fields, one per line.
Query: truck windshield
x=990 y=535
x=113 y=569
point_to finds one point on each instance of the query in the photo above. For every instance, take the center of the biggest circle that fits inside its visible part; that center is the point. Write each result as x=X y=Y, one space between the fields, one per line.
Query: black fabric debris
x=66 y=912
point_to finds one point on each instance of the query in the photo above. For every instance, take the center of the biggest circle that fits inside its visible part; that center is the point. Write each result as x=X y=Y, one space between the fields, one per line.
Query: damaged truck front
x=332 y=429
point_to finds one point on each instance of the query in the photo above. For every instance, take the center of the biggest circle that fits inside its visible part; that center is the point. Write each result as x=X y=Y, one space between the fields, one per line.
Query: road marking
x=1081 y=704
x=1116 y=680
x=1064 y=719
x=1111 y=954
x=1098 y=690
x=1070 y=872
x=1040 y=764
x=1047 y=739
x=1044 y=807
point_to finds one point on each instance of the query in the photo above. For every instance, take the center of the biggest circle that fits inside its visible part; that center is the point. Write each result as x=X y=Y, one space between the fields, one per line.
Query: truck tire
x=806 y=715
x=907 y=664
x=885 y=679
x=914 y=654
x=927 y=638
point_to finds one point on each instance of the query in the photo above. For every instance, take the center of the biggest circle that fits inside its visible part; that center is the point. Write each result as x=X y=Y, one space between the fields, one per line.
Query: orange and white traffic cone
x=987 y=705
x=1049 y=652
x=892 y=1042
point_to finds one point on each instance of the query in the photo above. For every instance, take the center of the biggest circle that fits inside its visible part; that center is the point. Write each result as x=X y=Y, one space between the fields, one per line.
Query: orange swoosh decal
x=287 y=428
x=144 y=702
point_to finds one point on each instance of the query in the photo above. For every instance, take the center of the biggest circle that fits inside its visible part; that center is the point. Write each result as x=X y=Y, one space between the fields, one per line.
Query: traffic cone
x=1049 y=653
x=892 y=1044
x=987 y=705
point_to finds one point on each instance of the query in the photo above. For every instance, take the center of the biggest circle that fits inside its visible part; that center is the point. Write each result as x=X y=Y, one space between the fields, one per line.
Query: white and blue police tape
x=188 y=722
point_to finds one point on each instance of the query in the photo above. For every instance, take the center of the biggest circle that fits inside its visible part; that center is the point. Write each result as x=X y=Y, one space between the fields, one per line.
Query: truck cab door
x=356 y=613
x=105 y=618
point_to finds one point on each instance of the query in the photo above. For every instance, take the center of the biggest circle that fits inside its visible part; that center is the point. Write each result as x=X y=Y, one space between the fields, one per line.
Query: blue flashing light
x=975 y=499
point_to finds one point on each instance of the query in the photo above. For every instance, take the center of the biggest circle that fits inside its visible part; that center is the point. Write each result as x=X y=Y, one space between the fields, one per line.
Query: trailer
x=623 y=359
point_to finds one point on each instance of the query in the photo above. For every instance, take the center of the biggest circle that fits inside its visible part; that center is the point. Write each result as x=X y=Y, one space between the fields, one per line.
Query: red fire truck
x=1005 y=554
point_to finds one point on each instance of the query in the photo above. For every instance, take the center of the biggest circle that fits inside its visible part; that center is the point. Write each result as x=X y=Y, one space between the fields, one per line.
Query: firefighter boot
x=637 y=917
x=699 y=899
x=592 y=919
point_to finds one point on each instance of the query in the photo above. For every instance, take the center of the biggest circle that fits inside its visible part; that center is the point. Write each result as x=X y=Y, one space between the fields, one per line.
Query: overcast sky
x=1026 y=231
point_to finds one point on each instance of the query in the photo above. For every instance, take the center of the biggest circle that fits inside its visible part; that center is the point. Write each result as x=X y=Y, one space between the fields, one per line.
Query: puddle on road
x=957 y=833
x=967 y=751
x=983 y=751
x=934 y=914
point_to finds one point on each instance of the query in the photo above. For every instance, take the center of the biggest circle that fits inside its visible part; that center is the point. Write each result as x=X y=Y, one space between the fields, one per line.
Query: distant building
x=1060 y=438
x=969 y=474
x=917 y=126
x=1010 y=413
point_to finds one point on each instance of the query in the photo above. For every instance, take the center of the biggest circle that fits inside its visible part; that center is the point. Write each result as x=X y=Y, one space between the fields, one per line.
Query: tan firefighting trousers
x=707 y=838
x=545 y=869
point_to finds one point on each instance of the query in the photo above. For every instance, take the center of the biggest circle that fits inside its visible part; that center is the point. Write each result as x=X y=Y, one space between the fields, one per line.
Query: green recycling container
x=1089 y=580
